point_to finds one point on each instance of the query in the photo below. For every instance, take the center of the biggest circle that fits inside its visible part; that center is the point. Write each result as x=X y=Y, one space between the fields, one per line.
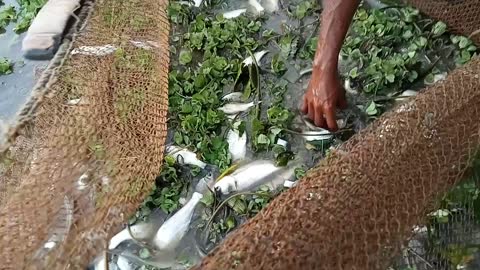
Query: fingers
x=342 y=103
x=311 y=111
x=304 y=108
x=331 y=118
x=319 y=120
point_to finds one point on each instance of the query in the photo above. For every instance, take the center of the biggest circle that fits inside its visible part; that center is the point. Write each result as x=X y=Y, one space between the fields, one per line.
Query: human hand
x=323 y=96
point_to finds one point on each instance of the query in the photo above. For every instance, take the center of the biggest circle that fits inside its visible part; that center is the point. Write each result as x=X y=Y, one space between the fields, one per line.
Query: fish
x=185 y=156
x=82 y=182
x=141 y=231
x=196 y=3
x=234 y=13
x=341 y=123
x=256 y=6
x=234 y=108
x=174 y=229
x=94 y=50
x=237 y=145
x=247 y=177
x=319 y=135
x=270 y=5
x=289 y=184
x=74 y=101
x=405 y=95
x=235 y=97
x=258 y=56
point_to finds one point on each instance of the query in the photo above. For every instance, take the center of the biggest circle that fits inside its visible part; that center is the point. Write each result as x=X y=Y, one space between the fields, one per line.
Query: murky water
x=16 y=87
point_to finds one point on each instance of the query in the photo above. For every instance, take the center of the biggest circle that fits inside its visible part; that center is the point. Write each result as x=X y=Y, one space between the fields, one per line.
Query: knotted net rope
x=90 y=141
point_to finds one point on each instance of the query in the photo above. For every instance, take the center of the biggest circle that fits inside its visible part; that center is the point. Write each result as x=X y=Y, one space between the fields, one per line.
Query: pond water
x=16 y=87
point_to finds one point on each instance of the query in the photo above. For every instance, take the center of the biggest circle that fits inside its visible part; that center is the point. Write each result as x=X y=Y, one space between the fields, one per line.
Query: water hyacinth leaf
x=263 y=139
x=302 y=9
x=238 y=205
x=230 y=223
x=353 y=73
x=439 y=29
x=144 y=253
x=278 y=65
x=5 y=66
x=185 y=56
x=371 y=109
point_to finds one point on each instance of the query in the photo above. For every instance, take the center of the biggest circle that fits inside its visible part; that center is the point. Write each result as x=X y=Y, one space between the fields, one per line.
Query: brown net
x=462 y=16
x=356 y=208
x=81 y=165
x=98 y=138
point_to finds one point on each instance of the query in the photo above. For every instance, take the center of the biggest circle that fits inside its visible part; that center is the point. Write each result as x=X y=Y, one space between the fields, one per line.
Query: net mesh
x=88 y=146
x=98 y=137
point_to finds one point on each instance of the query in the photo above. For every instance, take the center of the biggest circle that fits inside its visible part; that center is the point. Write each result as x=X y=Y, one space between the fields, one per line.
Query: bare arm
x=324 y=93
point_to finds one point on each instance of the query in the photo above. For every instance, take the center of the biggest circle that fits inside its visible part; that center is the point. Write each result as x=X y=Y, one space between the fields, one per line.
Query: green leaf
x=263 y=139
x=371 y=109
x=464 y=42
x=230 y=222
x=7 y=14
x=439 y=29
x=302 y=9
x=208 y=199
x=278 y=64
x=5 y=66
x=288 y=45
x=144 y=253
x=390 y=78
x=185 y=56
x=353 y=73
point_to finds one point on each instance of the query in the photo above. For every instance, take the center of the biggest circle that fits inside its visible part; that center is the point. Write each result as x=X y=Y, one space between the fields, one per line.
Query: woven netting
x=356 y=208
x=462 y=16
x=87 y=157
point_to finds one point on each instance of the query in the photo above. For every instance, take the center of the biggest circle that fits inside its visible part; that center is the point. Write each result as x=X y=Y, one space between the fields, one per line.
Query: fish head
x=226 y=185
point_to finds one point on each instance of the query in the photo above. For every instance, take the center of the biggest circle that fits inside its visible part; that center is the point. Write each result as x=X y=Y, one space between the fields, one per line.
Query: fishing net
x=86 y=148
x=91 y=139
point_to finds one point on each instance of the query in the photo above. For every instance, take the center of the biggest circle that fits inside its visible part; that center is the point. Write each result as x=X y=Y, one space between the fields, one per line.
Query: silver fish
x=319 y=135
x=256 y=6
x=235 y=97
x=234 y=108
x=234 y=13
x=174 y=229
x=247 y=177
x=94 y=50
x=185 y=156
x=258 y=56
x=159 y=259
x=124 y=264
x=237 y=145
x=270 y=5
x=141 y=231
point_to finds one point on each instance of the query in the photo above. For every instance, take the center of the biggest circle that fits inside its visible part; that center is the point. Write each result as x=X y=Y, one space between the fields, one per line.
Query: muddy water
x=16 y=87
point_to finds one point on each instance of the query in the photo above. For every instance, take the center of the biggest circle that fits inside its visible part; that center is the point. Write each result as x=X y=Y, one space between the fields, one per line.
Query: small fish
x=140 y=231
x=405 y=95
x=235 y=97
x=196 y=3
x=74 y=101
x=319 y=135
x=256 y=6
x=94 y=50
x=144 y=45
x=289 y=184
x=234 y=13
x=174 y=229
x=234 y=108
x=270 y=5
x=258 y=56
x=247 y=177
x=185 y=156
x=237 y=145
x=159 y=259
